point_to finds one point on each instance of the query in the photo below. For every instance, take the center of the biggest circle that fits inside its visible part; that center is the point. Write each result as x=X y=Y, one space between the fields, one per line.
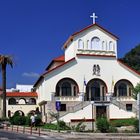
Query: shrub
x=136 y=90
x=50 y=126
x=18 y=120
x=80 y=127
x=112 y=129
x=136 y=125
x=62 y=126
x=4 y=119
x=122 y=122
x=28 y=120
x=38 y=120
x=102 y=124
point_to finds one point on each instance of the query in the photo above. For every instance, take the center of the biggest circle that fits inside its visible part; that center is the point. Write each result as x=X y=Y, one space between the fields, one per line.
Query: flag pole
x=112 y=84
x=84 y=85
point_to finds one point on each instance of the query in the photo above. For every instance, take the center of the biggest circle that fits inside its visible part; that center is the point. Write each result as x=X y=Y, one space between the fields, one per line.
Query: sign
x=58 y=105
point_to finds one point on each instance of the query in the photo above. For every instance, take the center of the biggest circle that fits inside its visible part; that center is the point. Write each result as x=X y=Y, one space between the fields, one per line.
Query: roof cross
x=94 y=17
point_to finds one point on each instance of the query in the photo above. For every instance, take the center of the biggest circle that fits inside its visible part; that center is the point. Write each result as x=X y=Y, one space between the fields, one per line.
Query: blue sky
x=33 y=31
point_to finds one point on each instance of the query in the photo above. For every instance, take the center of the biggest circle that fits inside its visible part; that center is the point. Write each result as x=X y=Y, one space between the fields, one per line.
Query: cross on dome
x=94 y=17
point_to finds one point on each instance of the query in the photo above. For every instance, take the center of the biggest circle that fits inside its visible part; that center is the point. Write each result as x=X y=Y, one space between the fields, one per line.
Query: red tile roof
x=58 y=59
x=21 y=94
x=128 y=67
x=90 y=26
x=47 y=72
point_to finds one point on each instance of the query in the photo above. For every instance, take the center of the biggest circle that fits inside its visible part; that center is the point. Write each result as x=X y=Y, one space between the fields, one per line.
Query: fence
x=25 y=130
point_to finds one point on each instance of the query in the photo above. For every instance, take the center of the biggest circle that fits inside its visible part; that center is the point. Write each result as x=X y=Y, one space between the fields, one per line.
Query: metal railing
x=99 y=99
x=74 y=108
x=122 y=105
x=77 y=107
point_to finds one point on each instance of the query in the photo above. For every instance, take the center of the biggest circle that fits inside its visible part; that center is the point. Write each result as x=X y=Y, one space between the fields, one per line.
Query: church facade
x=89 y=80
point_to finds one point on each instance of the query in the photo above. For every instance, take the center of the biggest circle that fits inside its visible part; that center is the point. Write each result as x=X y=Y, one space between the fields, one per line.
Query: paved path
x=8 y=135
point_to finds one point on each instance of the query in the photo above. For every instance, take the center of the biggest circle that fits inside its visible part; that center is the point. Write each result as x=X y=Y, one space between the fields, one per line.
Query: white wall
x=85 y=113
x=83 y=66
x=25 y=108
x=116 y=113
x=70 y=51
x=24 y=88
x=72 y=47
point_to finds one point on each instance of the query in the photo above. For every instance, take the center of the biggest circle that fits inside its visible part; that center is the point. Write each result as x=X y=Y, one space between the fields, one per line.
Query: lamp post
x=58 y=107
x=92 y=103
x=139 y=109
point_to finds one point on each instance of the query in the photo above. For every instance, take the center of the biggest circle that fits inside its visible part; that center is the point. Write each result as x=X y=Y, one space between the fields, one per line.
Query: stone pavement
x=74 y=135
x=94 y=136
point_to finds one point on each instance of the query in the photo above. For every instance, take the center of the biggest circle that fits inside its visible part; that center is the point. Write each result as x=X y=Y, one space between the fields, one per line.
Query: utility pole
x=58 y=127
x=139 y=111
x=92 y=125
x=58 y=108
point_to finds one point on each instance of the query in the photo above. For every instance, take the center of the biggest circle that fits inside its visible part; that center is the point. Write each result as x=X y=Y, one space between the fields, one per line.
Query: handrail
x=101 y=98
x=122 y=105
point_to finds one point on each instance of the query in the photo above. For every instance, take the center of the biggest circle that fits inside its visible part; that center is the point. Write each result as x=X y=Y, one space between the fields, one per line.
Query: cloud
x=30 y=74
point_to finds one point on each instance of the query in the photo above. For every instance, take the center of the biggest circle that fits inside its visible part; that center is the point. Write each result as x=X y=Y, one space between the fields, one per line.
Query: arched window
x=57 y=90
x=80 y=44
x=12 y=101
x=111 y=47
x=88 y=44
x=122 y=88
x=22 y=101
x=66 y=89
x=95 y=43
x=103 y=46
x=32 y=101
x=19 y=113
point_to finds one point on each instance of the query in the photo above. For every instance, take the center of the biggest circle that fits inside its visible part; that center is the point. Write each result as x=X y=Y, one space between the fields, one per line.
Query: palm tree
x=4 y=61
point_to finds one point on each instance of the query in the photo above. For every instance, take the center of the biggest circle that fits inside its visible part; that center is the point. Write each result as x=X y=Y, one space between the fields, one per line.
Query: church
x=89 y=81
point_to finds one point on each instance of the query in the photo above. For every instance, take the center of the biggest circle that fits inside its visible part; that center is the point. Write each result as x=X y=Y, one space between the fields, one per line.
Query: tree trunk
x=4 y=89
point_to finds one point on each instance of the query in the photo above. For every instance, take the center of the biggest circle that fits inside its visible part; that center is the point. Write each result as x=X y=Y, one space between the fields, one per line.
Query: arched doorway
x=95 y=90
x=19 y=112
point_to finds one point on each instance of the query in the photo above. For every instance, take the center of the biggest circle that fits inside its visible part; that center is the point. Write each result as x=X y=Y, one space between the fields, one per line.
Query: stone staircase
x=74 y=108
x=122 y=105
x=77 y=107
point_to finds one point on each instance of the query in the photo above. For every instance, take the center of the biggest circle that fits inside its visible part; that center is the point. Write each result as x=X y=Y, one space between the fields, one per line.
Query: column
x=127 y=90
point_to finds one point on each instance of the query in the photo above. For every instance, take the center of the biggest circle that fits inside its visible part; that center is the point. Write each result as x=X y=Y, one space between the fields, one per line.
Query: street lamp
x=58 y=108
x=92 y=103
x=139 y=108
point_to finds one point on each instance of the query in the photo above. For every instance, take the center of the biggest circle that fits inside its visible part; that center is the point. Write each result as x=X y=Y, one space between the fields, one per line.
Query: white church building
x=89 y=80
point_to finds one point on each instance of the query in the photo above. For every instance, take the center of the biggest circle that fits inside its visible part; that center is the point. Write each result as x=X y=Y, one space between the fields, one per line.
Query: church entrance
x=101 y=111
x=95 y=90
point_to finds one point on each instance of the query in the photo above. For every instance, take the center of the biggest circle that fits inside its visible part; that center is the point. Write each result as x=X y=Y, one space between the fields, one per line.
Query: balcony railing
x=66 y=98
x=99 y=99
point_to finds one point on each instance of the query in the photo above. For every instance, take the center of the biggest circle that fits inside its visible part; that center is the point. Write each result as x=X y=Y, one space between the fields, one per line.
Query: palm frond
x=6 y=59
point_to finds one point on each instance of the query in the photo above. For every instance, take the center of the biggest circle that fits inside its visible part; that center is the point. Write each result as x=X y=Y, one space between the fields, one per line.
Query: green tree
x=102 y=124
x=136 y=90
x=4 y=61
x=132 y=58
